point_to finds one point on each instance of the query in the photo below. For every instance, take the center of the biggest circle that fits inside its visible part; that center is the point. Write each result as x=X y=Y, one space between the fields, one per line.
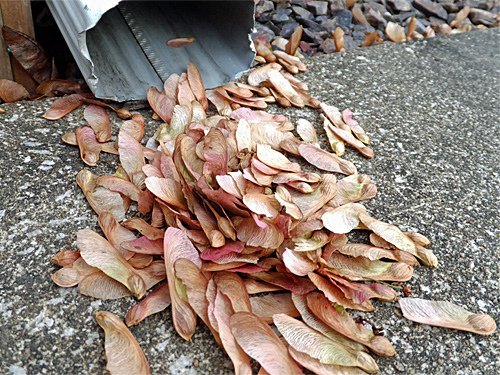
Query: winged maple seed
x=228 y=211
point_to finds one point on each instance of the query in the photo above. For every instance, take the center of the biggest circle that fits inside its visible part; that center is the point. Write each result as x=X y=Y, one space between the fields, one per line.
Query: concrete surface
x=431 y=108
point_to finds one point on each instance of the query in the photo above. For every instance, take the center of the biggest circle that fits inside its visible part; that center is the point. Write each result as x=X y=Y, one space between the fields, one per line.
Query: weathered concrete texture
x=431 y=110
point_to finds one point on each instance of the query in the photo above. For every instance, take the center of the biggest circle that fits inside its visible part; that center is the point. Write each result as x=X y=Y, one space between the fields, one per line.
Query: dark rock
x=375 y=19
x=306 y=48
x=318 y=8
x=480 y=4
x=349 y=42
x=288 y=28
x=482 y=17
x=264 y=17
x=358 y=36
x=330 y=24
x=336 y=5
x=400 y=5
x=312 y=26
x=343 y=18
x=302 y=13
x=431 y=8
x=275 y=29
x=402 y=17
x=389 y=17
x=281 y=15
x=320 y=19
x=314 y=37
x=436 y=21
x=376 y=6
x=363 y=28
x=300 y=3
x=328 y=46
x=450 y=6
x=282 y=5
x=265 y=31
x=264 y=6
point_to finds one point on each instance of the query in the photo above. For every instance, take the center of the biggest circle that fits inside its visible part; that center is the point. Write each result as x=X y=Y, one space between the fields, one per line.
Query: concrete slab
x=431 y=108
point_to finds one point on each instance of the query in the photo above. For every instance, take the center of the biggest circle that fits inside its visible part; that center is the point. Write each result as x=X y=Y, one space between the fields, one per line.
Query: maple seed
x=180 y=42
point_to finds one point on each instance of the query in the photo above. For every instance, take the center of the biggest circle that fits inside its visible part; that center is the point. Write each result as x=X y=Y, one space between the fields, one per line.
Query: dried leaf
x=325 y=160
x=65 y=257
x=342 y=322
x=87 y=143
x=262 y=204
x=62 y=106
x=390 y=233
x=446 y=314
x=336 y=295
x=196 y=84
x=338 y=38
x=343 y=219
x=260 y=342
x=98 y=252
x=266 y=306
x=365 y=269
x=155 y=302
x=275 y=159
x=293 y=42
x=315 y=323
x=98 y=120
x=131 y=158
x=99 y=198
x=29 y=53
x=144 y=228
x=461 y=15
x=123 y=353
x=310 y=203
x=297 y=263
x=367 y=251
x=319 y=368
x=307 y=132
x=295 y=284
x=283 y=86
x=354 y=125
x=263 y=48
x=99 y=285
x=181 y=42
x=395 y=32
x=162 y=104
x=178 y=246
x=222 y=313
x=119 y=185
x=134 y=126
x=306 y=340
x=11 y=91
x=57 y=87
x=371 y=38
x=247 y=231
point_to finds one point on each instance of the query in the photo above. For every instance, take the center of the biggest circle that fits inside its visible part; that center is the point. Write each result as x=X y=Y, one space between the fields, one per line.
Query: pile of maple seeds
x=251 y=239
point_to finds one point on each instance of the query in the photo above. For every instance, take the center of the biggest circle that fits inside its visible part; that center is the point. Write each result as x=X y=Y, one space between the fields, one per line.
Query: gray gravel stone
x=482 y=17
x=400 y=5
x=318 y=8
x=431 y=8
x=302 y=13
x=431 y=109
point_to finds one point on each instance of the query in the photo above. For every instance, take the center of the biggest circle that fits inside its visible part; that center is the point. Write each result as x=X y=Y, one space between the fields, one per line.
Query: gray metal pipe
x=121 y=46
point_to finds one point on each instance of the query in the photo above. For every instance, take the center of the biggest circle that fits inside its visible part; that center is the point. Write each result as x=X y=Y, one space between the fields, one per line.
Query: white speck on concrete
x=16 y=370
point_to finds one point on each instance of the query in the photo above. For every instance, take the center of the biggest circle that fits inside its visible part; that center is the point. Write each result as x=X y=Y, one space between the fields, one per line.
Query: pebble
x=400 y=5
x=302 y=12
x=431 y=8
x=343 y=18
x=318 y=8
x=481 y=17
